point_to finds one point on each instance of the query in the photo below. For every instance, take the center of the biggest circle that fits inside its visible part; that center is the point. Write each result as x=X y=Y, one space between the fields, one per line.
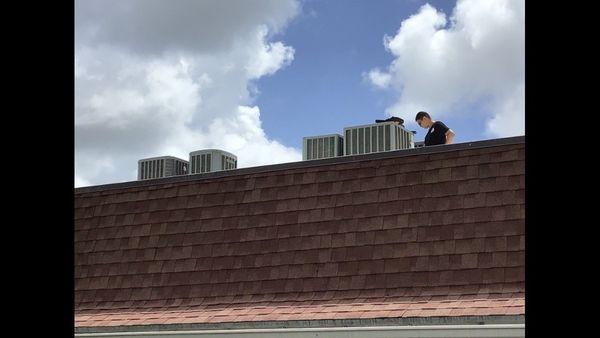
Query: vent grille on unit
x=159 y=167
x=324 y=146
x=376 y=138
x=210 y=160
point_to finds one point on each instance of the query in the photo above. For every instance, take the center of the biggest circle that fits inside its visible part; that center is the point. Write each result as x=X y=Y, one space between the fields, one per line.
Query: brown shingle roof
x=435 y=232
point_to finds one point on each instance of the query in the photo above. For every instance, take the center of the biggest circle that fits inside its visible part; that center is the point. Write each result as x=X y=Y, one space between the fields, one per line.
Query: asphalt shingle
x=373 y=238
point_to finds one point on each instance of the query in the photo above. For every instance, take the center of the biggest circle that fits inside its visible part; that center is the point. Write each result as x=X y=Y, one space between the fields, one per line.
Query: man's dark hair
x=421 y=115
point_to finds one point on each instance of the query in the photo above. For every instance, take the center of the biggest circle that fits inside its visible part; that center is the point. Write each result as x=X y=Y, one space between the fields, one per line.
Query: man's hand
x=449 y=136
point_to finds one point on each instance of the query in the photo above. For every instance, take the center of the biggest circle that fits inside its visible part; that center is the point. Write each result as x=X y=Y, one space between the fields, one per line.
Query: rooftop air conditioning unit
x=209 y=160
x=159 y=167
x=323 y=146
x=378 y=137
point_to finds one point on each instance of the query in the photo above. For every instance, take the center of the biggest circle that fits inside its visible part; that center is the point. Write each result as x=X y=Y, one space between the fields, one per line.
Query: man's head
x=423 y=120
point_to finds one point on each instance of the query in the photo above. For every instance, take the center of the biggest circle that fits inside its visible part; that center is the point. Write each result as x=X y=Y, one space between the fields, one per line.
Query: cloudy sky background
x=157 y=78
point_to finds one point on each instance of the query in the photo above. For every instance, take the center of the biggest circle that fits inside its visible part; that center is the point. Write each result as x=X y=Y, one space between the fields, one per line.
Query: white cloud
x=153 y=78
x=80 y=182
x=242 y=133
x=509 y=114
x=269 y=58
x=474 y=60
x=379 y=79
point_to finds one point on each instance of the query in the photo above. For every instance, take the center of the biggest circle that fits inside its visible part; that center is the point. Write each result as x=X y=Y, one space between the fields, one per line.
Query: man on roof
x=438 y=132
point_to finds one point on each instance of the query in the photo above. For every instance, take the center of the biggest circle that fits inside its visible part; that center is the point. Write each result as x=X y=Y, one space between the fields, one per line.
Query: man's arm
x=449 y=136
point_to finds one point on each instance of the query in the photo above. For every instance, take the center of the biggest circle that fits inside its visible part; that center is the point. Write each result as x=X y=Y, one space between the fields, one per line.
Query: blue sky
x=253 y=77
x=335 y=42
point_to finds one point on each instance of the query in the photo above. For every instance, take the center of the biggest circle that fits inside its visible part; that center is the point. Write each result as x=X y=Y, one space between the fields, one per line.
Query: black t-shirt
x=436 y=134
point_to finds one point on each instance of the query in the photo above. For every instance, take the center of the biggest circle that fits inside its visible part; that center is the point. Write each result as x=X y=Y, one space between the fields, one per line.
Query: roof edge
x=308 y=164
x=320 y=323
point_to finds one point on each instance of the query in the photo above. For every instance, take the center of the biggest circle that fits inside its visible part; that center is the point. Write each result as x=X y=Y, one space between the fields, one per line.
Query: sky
x=252 y=77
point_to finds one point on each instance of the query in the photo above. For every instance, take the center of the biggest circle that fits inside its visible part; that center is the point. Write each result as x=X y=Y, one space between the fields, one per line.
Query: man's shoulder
x=440 y=125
